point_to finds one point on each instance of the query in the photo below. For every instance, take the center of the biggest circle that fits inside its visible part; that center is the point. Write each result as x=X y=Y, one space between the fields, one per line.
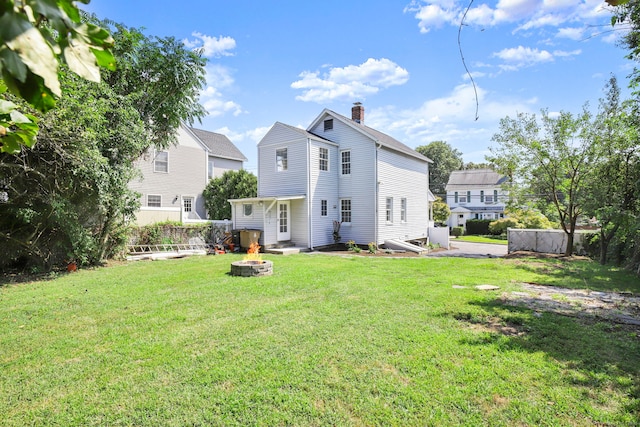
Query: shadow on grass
x=598 y=354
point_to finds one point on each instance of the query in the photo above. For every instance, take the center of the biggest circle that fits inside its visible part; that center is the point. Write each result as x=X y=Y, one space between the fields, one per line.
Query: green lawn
x=483 y=239
x=326 y=340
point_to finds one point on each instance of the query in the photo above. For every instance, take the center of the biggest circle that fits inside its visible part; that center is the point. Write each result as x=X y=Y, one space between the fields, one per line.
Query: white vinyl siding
x=406 y=178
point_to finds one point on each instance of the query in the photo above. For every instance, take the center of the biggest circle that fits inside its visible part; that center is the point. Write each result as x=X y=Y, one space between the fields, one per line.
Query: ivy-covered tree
x=231 y=185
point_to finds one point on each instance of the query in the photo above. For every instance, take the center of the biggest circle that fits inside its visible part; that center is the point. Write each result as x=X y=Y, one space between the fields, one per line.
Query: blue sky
x=288 y=60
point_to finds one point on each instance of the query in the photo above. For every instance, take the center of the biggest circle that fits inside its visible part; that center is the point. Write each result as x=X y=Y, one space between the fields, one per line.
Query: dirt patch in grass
x=617 y=307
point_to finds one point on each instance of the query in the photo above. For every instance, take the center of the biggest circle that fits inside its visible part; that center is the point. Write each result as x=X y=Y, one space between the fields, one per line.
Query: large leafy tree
x=68 y=197
x=445 y=160
x=35 y=37
x=614 y=190
x=231 y=185
x=554 y=155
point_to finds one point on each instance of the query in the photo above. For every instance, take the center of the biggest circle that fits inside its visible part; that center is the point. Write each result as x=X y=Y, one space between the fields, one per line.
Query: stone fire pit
x=252 y=268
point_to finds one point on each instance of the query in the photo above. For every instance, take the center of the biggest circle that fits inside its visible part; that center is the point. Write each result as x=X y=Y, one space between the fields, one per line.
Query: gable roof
x=379 y=137
x=218 y=145
x=305 y=133
x=470 y=178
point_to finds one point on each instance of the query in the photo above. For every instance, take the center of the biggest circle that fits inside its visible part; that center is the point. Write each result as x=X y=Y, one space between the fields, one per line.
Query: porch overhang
x=267 y=199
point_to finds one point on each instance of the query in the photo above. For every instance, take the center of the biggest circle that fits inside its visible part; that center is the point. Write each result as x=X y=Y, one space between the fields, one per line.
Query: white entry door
x=187 y=207
x=284 y=231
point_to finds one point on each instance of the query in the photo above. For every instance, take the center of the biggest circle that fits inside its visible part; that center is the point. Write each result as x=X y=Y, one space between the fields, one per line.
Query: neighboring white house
x=173 y=179
x=337 y=169
x=475 y=194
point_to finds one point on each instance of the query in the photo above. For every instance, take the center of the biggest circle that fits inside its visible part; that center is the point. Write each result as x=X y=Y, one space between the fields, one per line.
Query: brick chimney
x=357 y=113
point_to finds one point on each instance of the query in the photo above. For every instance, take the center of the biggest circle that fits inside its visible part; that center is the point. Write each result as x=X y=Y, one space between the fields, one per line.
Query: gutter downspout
x=309 y=202
x=377 y=195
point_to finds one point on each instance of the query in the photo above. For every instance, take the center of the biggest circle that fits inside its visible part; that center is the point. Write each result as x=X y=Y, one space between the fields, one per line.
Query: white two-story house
x=172 y=180
x=475 y=194
x=337 y=170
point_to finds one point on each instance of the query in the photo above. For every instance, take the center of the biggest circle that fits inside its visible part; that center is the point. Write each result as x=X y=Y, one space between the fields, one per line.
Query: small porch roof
x=268 y=199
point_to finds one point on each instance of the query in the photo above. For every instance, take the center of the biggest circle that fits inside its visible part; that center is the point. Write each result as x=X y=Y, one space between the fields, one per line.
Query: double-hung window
x=389 y=209
x=324 y=159
x=403 y=210
x=281 y=160
x=345 y=210
x=323 y=208
x=161 y=161
x=345 y=161
x=154 y=200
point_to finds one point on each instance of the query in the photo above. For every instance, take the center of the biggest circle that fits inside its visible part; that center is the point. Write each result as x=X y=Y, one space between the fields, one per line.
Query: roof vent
x=357 y=113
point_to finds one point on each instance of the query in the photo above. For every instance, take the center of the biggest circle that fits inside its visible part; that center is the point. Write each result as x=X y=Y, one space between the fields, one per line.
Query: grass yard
x=325 y=340
x=483 y=239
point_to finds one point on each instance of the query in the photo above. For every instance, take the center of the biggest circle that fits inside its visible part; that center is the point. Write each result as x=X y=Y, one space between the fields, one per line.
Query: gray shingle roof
x=303 y=132
x=384 y=139
x=468 y=179
x=219 y=145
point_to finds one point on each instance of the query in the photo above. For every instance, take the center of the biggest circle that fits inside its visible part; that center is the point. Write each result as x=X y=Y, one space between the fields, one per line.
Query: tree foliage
x=445 y=160
x=231 y=185
x=554 y=155
x=35 y=37
x=441 y=211
x=68 y=197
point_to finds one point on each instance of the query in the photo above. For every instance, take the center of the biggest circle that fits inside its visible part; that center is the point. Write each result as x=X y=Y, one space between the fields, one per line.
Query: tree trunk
x=568 y=251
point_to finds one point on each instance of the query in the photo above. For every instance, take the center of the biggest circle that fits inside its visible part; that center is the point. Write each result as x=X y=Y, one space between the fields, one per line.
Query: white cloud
x=212 y=98
x=520 y=57
x=572 y=33
x=351 y=82
x=528 y=13
x=451 y=118
x=212 y=47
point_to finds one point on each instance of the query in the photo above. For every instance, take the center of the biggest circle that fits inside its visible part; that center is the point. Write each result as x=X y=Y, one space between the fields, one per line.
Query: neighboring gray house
x=173 y=179
x=337 y=169
x=475 y=194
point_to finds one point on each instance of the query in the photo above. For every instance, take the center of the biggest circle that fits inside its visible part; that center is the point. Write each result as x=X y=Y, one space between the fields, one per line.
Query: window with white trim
x=161 y=161
x=210 y=169
x=403 y=210
x=324 y=159
x=154 y=200
x=323 y=208
x=328 y=124
x=345 y=161
x=389 y=209
x=345 y=210
x=247 y=209
x=281 y=159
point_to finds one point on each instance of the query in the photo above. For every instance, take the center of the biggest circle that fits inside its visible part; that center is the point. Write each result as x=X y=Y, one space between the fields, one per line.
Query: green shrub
x=499 y=227
x=457 y=231
x=478 y=227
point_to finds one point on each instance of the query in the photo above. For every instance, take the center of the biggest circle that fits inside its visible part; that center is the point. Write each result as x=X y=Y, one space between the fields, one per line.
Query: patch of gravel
x=615 y=307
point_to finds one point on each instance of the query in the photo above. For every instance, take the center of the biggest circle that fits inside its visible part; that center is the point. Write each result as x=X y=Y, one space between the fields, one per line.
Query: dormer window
x=328 y=124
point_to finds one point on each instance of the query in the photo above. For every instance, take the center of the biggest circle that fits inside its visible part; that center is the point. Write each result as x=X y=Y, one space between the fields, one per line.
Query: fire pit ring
x=252 y=268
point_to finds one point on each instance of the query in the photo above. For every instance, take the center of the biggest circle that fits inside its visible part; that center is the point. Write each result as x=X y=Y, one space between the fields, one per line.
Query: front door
x=284 y=232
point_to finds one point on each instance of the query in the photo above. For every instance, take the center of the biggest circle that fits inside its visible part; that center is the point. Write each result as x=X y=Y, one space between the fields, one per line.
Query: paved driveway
x=473 y=250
